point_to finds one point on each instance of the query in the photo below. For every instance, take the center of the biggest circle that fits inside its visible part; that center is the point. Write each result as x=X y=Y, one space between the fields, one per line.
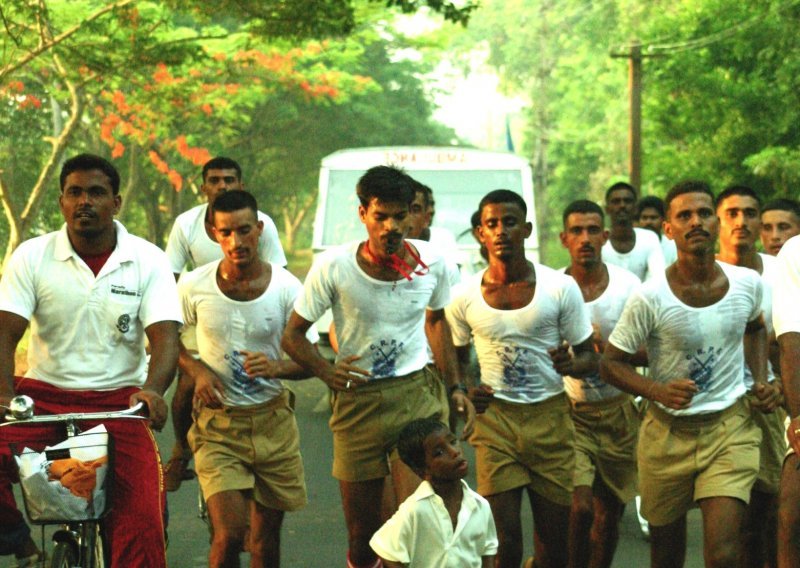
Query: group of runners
x=649 y=365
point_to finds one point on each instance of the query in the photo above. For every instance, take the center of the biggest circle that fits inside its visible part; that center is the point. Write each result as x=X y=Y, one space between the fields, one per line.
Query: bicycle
x=77 y=542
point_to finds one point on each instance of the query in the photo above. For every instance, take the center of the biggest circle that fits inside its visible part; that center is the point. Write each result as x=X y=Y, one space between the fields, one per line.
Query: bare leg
x=265 y=536
x=759 y=530
x=722 y=530
x=580 y=525
x=175 y=470
x=551 y=532
x=668 y=544
x=789 y=514
x=361 y=502
x=228 y=512
x=608 y=511
x=182 y=414
x=506 y=512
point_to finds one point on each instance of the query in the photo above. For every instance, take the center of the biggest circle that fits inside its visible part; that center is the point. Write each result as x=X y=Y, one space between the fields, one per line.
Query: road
x=315 y=537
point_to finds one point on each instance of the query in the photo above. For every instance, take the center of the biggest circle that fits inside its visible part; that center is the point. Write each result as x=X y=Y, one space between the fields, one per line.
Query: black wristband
x=456 y=387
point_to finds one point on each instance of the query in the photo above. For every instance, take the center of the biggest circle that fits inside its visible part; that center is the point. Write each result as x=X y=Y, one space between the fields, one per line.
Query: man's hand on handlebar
x=157 y=408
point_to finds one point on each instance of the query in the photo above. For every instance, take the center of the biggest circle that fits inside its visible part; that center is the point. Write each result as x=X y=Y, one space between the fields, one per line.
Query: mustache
x=697 y=232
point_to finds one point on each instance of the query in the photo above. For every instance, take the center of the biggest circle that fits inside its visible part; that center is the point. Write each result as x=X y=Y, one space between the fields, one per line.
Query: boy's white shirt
x=421 y=535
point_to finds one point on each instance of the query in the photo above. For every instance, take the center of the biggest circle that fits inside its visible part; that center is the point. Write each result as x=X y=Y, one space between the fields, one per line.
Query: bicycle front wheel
x=64 y=556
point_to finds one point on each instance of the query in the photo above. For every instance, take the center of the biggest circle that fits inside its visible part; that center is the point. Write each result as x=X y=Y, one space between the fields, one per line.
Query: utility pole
x=634 y=56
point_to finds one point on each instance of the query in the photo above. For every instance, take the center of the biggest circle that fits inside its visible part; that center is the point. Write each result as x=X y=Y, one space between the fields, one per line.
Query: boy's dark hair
x=582 y=206
x=387 y=184
x=687 y=186
x=783 y=204
x=411 y=443
x=742 y=190
x=234 y=200
x=621 y=185
x=86 y=162
x=503 y=196
x=222 y=163
x=650 y=202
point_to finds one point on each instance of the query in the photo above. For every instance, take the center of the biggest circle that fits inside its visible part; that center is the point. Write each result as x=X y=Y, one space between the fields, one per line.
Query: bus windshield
x=456 y=192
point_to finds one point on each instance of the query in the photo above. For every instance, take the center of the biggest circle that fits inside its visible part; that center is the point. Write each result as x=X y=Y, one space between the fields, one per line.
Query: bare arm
x=440 y=339
x=487 y=561
x=755 y=356
x=617 y=369
x=790 y=374
x=392 y=564
x=755 y=349
x=299 y=348
x=580 y=362
x=163 y=339
x=481 y=395
x=12 y=328
x=208 y=386
x=258 y=364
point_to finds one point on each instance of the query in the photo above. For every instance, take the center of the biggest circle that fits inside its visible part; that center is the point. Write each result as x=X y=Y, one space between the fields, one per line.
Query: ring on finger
x=347 y=384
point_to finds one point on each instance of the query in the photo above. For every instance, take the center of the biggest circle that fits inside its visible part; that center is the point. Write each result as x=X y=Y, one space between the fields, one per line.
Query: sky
x=471 y=103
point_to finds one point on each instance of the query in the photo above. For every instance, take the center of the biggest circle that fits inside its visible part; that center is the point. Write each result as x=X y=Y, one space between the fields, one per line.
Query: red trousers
x=134 y=528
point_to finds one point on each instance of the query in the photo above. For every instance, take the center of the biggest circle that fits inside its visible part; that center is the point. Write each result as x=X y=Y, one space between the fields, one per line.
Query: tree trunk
x=542 y=125
x=293 y=216
x=19 y=223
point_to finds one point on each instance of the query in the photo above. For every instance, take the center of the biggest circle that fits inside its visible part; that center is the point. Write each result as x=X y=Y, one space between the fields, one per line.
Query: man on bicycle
x=91 y=292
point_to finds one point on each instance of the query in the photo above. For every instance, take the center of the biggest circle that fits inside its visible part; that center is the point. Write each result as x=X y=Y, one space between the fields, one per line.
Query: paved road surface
x=315 y=537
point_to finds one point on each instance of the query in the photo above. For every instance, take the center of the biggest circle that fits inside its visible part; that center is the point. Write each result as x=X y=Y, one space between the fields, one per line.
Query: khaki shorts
x=526 y=445
x=773 y=449
x=254 y=448
x=366 y=422
x=605 y=444
x=688 y=458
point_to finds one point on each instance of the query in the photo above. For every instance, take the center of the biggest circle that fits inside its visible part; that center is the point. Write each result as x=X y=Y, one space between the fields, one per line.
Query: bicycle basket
x=69 y=481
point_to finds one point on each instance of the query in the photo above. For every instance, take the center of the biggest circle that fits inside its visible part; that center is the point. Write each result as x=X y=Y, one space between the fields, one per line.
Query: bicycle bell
x=21 y=407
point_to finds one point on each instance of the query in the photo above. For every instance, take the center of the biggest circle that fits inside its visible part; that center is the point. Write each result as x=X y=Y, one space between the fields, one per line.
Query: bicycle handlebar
x=127 y=413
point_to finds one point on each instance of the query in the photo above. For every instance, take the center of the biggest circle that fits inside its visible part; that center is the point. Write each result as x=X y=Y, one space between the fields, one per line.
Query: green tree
x=66 y=58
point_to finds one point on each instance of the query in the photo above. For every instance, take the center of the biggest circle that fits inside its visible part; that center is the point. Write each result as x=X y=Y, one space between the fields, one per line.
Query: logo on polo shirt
x=123 y=291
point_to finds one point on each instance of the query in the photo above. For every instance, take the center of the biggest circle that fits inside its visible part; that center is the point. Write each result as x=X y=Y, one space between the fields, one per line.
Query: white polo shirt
x=421 y=535
x=189 y=243
x=87 y=332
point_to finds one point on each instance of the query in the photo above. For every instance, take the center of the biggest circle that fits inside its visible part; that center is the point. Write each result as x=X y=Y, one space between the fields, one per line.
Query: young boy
x=444 y=524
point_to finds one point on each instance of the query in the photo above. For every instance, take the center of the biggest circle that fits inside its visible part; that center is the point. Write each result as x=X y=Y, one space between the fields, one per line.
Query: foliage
x=720 y=97
x=160 y=87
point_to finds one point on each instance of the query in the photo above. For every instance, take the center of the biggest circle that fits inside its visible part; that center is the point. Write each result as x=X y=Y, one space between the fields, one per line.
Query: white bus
x=459 y=177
